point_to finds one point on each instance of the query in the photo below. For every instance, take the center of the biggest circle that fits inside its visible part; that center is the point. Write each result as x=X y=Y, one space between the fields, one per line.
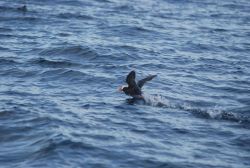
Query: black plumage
x=134 y=89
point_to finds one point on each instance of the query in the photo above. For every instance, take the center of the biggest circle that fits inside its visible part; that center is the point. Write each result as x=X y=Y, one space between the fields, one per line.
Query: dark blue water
x=62 y=61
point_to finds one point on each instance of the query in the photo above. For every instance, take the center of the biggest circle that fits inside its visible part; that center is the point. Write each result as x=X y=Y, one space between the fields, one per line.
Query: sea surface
x=61 y=62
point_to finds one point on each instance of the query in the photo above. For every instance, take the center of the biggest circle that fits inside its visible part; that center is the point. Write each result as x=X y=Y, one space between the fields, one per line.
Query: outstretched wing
x=131 y=79
x=143 y=81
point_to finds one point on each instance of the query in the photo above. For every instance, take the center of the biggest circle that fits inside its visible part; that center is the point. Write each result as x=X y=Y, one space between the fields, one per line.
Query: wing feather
x=143 y=81
x=131 y=79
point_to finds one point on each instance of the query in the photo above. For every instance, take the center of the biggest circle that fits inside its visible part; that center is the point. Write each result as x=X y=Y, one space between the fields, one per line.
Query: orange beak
x=119 y=89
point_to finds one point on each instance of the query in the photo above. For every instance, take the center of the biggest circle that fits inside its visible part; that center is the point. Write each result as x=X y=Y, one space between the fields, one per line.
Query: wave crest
x=81 y=51
x=54 y=63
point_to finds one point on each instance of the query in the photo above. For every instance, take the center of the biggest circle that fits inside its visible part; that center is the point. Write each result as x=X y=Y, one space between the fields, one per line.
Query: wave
x=132 y=30
x=77 y=50
x=17 y=72
x=70 y=75
x=74 y=16
x=63 y=74
x=124 y=8
x=28 y=19
x=55 y=144
x=40 y=144
x=4 y=49
x=6 y=36
x=44 y=145
x=54 y=63
x=214 y=113
x=233 y=6
x=3 y=29
x=103 y=1
x=9 y=8
x=7 y=61
x=19 y=93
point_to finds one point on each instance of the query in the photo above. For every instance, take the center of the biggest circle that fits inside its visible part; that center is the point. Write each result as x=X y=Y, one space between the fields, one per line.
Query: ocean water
x=62 y=61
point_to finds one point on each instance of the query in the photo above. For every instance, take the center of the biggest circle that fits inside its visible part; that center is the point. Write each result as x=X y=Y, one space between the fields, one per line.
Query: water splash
x=156 y=101
x=215 y=112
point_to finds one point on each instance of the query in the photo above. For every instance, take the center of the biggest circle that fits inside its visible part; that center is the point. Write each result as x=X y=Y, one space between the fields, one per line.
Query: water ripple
x=62 y=61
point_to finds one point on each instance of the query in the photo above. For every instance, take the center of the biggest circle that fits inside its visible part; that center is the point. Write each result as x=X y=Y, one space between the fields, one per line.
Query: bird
x=134 y=89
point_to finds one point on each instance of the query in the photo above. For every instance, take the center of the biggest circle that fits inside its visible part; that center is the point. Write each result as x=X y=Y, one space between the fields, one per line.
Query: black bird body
x=134 y=89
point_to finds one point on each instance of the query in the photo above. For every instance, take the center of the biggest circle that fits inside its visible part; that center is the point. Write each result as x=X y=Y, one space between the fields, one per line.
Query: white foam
x=156 y=100
x=215 y=113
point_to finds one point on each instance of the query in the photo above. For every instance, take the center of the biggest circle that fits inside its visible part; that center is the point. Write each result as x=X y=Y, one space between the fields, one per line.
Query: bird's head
x=121 y=89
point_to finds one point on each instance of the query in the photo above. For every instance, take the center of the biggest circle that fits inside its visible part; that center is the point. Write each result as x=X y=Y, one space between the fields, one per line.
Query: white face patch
x=121 y=88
